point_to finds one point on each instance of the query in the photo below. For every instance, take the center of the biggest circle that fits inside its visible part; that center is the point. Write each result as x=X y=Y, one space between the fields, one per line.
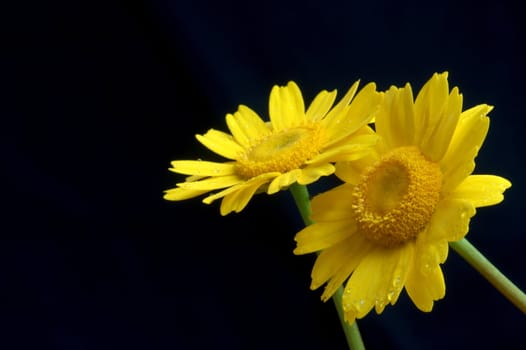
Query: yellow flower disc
x=281 y=151
x=397 y=196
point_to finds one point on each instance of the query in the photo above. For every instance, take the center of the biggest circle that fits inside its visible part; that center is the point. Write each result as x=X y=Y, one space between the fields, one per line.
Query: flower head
x=295 y=146
x=388 y=226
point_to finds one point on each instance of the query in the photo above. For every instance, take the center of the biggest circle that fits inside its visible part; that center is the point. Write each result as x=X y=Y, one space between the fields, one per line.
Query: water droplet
x=358 y=305
x=216 y=171
x=426 y=268
x=346 y=307
x=396 y=281
x=390 y=295
x=347 y=291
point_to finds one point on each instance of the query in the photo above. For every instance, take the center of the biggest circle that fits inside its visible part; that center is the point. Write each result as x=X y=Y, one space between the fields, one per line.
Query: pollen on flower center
x=397 y=196
x=281 y=151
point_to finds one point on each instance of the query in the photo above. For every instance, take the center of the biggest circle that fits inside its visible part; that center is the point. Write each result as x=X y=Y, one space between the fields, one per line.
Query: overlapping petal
x=481 y=190
x=450 y=221
x=312 y=173
x=316 y=237
x=351 y=118
x=352 y=251
x=395 y=121
x=202 y=168
x=286 y=107
x=329 y=205
x=425 y=288
x=376 y=281
x=221 y=143
x=458 y=161
x=321 y=104
x=246 y=126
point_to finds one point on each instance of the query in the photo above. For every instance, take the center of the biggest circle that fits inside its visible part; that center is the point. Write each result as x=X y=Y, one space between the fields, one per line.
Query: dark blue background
x=99 y=96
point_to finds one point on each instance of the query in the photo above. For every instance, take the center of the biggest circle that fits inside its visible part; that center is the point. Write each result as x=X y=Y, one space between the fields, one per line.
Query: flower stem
x=302 y=199
x=490 y=272
x=352 y=333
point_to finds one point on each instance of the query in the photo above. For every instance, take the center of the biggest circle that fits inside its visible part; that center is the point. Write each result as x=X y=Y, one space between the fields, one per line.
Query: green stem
x=352 y=333
x=302 y=199
x=490 y=272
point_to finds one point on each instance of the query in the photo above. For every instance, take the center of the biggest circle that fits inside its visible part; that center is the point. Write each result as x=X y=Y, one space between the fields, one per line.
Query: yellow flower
x=295 y=146
x=388 y=226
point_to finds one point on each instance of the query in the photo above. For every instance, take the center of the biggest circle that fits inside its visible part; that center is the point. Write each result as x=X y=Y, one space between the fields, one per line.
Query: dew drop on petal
x=346 y=307
x=396 y=281
x=426 y=269
x=380 y=303
x=358 y=305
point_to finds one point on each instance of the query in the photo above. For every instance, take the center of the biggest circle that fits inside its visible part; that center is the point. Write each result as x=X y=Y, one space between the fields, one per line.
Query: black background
x=99 y=96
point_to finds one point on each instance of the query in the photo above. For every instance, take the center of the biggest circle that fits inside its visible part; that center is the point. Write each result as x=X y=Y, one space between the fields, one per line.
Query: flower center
x=281 y=151
x=397 y=196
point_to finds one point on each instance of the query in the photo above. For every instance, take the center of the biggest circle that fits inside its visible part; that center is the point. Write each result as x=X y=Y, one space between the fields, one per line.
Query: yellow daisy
x=295 y=146
x=388 y=226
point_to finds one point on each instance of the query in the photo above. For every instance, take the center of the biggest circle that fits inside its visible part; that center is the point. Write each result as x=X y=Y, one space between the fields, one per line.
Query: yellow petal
x=255 y=181
x=283 y=181
x=425 y=287
x=212 y=183
x=352 y=172
x=332 y=259
x=400 y=272
x=179 y=194
x=450 y=221
x=361 y=289
x=349 y=317
x=355 y=147
x=286 y=108
x=221 y=143
x=481 y=190
x=333 y=205
x=320 y=105
x=221 y=194
x=465 y=143
x=246 y=126
x=311 y=174
x=319 y=236
x=356 y=115
x=338 y=262
x=396 y=118
x=335 y=114
x=394 y=267
x=332 y=117
x=456 y=175
x=378 y=279
x=438 y=136
x=238 y=200
x=429 y=105
x=202 y=168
